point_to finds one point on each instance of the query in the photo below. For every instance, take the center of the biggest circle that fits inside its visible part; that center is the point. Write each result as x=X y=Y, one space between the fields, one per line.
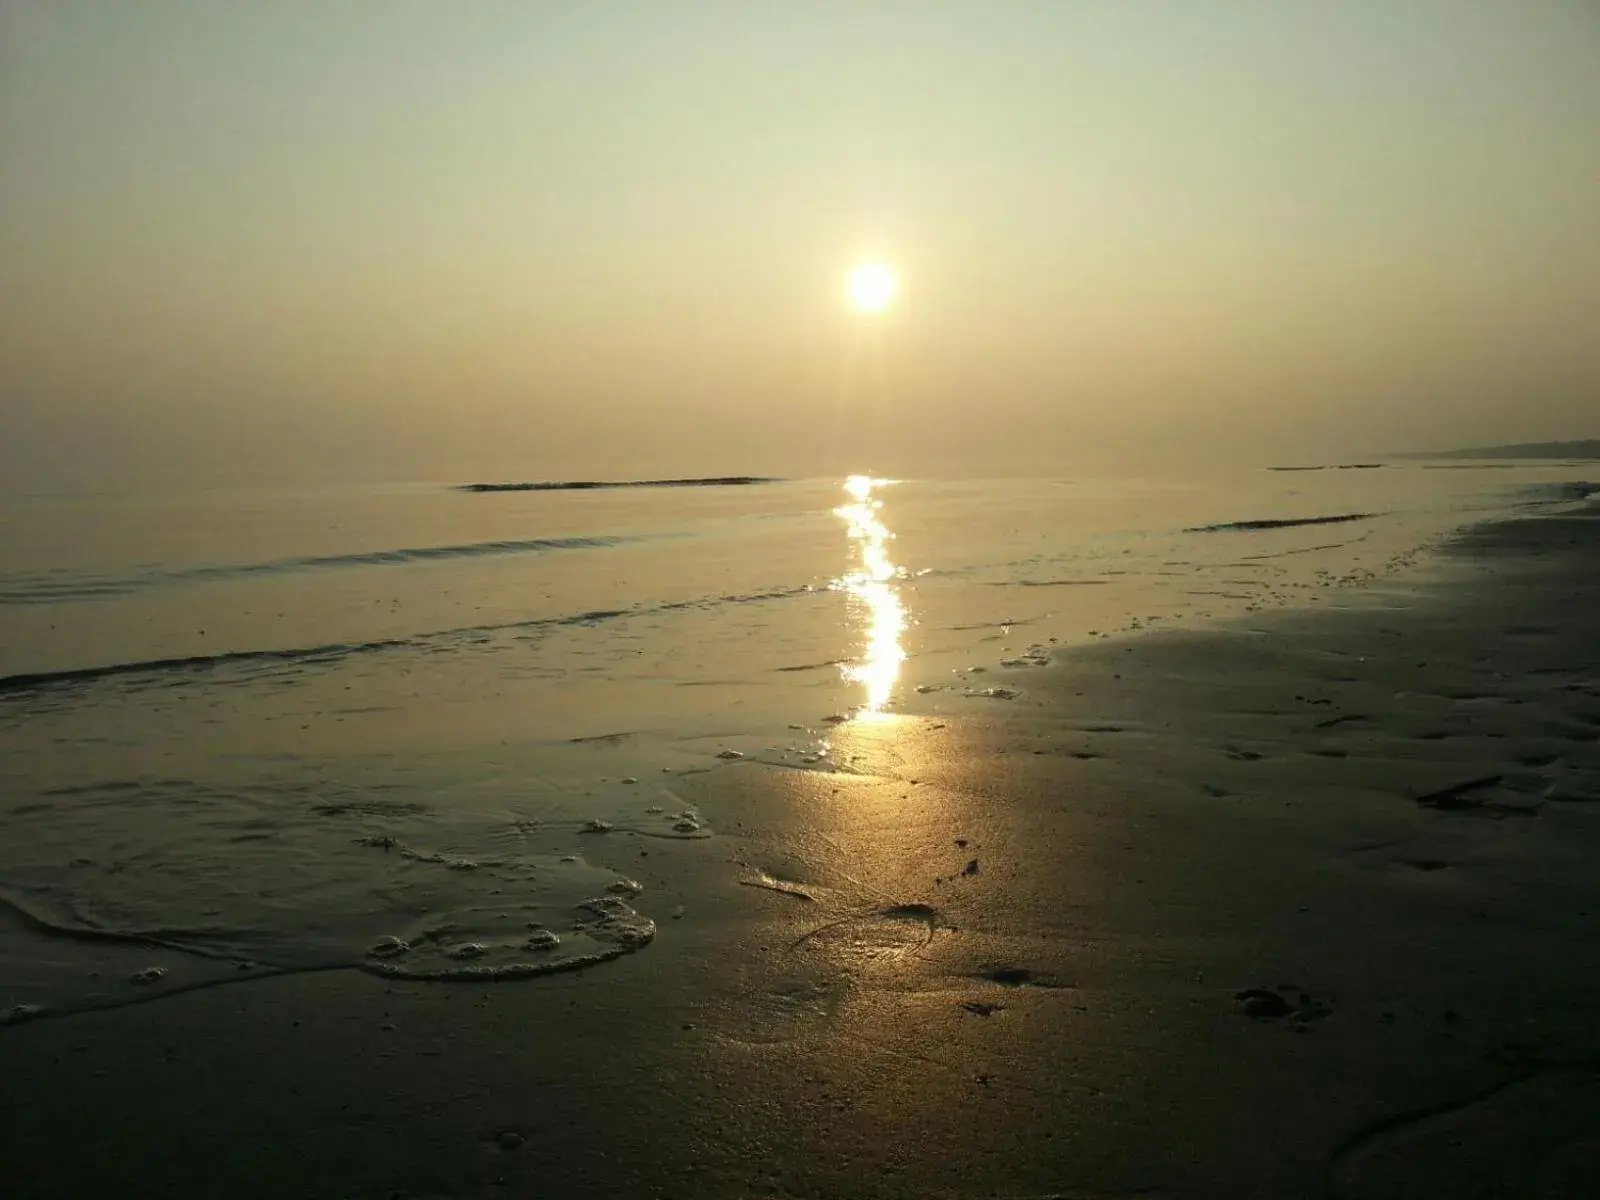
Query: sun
x=871 y=287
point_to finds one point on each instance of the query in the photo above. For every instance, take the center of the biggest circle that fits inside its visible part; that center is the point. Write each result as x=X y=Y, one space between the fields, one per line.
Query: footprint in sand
x=19 y=1013
x=887 y=935
x=1020 y=977
x=1286 y=1000
x=1537 y=759
x=783 y=1010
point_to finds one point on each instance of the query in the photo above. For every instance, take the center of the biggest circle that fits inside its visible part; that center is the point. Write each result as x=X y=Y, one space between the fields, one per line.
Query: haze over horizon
x=417 y=241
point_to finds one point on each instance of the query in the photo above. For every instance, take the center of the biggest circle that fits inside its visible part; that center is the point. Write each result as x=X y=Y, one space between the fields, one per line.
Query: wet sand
x=1301 y=907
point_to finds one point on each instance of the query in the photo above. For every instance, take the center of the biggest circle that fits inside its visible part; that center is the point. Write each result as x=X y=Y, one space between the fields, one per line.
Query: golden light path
x=874 y=585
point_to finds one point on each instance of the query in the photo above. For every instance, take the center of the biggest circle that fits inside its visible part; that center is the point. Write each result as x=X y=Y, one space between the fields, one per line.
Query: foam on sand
x=593 y=931
x=166 y=886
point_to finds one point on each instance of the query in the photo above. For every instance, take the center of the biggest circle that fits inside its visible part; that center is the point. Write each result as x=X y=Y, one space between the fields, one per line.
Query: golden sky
x=436 y=241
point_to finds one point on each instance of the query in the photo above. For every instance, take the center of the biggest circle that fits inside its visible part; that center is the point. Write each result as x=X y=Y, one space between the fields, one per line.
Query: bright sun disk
x=872 y=287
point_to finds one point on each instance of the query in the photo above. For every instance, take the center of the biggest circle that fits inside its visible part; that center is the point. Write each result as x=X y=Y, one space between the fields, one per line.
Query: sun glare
x=872 y=287
x=874 y=582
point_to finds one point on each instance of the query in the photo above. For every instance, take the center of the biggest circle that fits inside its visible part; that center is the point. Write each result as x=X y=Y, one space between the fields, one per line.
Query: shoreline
x=1006 y=957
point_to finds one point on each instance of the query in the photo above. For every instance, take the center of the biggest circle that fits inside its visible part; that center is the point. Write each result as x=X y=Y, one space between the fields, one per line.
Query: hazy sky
x=455 y=240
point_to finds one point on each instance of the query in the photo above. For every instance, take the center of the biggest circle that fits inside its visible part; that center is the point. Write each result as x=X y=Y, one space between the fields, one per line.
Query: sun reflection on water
x=875 y=584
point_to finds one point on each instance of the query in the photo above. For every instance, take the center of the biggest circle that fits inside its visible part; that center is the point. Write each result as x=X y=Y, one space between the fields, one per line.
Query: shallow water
x=413 y=729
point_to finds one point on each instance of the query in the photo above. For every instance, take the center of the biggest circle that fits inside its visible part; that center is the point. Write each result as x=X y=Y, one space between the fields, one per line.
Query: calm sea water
x=391 y=727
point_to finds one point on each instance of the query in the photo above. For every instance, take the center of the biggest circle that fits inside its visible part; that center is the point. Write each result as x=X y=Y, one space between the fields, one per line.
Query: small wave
x=1558 y=493
x=40 y=680
x=1245 y=526
x=1360 y=466
x=1039 y=583
x=22 y=685
x=589 y=485
x=58 y=589
x=1255 y=558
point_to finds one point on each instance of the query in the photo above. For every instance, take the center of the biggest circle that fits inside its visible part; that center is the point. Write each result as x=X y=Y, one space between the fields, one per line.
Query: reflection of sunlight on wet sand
x=873 y=582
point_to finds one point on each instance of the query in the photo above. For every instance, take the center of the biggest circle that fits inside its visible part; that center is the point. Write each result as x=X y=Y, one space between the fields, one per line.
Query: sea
x=419 y=729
